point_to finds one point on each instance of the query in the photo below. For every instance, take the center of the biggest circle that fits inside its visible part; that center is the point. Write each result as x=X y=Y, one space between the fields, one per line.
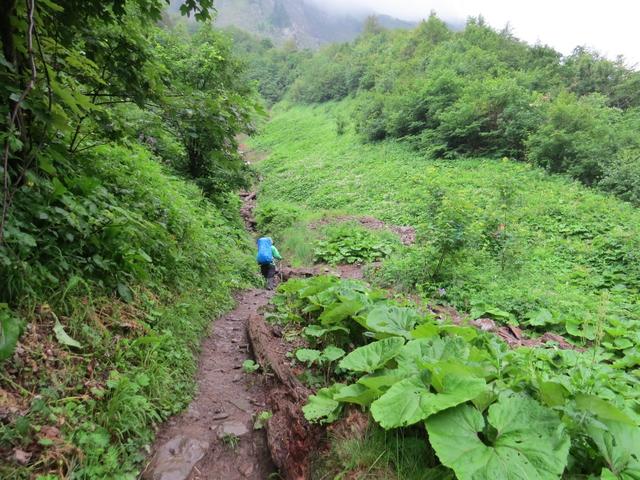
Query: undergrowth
x=349 y=243
x=546 y=250
x=553 y=413
x=142 y=263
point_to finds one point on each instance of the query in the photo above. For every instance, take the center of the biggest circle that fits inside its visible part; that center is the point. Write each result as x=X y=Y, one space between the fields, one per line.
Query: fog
x=609 y=27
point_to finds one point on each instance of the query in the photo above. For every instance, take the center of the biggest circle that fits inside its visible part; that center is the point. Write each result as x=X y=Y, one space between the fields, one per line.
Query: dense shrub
x=577 y=137
x=622 y=176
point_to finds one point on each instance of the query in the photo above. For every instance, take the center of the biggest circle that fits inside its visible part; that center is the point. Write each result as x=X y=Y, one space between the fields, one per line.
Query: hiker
x=267 y=256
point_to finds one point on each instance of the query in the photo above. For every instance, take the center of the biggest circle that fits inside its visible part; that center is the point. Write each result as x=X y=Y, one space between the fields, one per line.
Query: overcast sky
x=609 y=26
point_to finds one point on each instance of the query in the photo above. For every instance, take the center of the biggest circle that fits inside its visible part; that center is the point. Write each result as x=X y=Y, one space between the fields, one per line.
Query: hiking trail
x=215 y=438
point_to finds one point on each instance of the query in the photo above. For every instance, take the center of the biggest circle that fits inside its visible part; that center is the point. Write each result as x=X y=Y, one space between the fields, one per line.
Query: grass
x=379 y=455
x=568 y=251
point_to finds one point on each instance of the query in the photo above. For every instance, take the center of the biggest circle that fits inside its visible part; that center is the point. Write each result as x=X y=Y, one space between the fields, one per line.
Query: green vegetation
x=348 y=243
x=551 y=412
x=551 y=253
x=120 y=238
x=496 y=239
x=479 y=92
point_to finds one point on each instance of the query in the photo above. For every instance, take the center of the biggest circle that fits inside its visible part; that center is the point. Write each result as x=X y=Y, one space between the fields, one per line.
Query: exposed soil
x=214 y=438
x=249 y=155
x=407 y=234
x=249 y=200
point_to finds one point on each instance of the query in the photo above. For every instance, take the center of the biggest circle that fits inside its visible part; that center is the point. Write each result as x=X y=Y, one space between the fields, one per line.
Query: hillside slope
x=563 y=249
x=305 y=24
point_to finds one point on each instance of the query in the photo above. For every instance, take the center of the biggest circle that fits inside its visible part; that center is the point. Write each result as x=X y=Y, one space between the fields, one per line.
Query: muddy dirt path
x=214 y=438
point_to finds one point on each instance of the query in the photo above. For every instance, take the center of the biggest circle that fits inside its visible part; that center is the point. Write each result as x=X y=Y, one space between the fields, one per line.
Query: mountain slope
x=284 y=20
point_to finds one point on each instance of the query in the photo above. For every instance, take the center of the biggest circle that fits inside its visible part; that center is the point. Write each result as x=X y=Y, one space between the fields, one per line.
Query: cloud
x=609 y=27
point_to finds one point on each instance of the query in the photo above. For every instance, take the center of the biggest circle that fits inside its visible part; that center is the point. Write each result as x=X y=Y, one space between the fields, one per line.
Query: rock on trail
x=214 y=438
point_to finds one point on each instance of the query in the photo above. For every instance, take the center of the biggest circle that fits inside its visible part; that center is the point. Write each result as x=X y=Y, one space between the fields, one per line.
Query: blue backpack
x=265 y=256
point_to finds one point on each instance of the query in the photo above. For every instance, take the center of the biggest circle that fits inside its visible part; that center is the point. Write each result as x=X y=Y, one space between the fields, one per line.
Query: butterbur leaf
x=356 y=393
x=391 y=320
x=308 y=355
x=340 y=312
x=540 y=317
x=410 y=401
x=317 y=331
x=602 y=409
x=580 y=328
x=381 y=380
x=523 y=441
x=416 y=353
x=332 y=353
x=426 y=330
x=371 y=357
x=63 y=337
x=618 y=443
x=321 y=407
x=553 y=394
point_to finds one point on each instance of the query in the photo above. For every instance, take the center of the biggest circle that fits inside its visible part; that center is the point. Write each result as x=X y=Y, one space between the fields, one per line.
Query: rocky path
x=214 y=438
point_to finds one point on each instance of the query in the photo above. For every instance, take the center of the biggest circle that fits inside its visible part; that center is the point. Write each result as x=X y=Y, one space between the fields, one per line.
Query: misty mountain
x=304 y=23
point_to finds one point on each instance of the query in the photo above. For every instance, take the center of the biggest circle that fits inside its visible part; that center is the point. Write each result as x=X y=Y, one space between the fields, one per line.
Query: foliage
x=533 y=249
x=262 y=419
x=481 y=92
x=273 y=69
x=529 y=440
x=487 y=414
x=250 y=366
x=112 y=262
x=205 y=106
x=348 y=243
x=274 y=217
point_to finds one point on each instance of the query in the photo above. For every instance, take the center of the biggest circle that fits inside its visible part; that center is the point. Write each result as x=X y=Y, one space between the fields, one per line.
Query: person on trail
x=267 y=256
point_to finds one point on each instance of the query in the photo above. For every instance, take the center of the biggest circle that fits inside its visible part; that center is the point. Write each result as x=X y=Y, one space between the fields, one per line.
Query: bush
x=622 y=176
x=274 y=217
x=348 y=243
x=577 y=137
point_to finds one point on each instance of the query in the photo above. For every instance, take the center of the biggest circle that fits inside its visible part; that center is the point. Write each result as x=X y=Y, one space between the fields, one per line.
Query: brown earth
x=407 y=234
x=214 y=438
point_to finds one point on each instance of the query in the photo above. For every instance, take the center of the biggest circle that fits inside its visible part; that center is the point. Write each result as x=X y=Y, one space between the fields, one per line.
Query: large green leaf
x=332 y=353
x=356 y=393
x=390 y=320
x=410 y=401
x=381 y=380
x=522 y=441
x=373 y=356
x=417 y=353
x=321 y=407
x=317 y=331
x=308 y=355
x=340 y=312
x=619 y=445
x=602 y=409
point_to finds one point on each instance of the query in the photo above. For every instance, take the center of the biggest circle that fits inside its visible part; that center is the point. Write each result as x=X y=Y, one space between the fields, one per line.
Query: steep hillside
x=283 y=20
